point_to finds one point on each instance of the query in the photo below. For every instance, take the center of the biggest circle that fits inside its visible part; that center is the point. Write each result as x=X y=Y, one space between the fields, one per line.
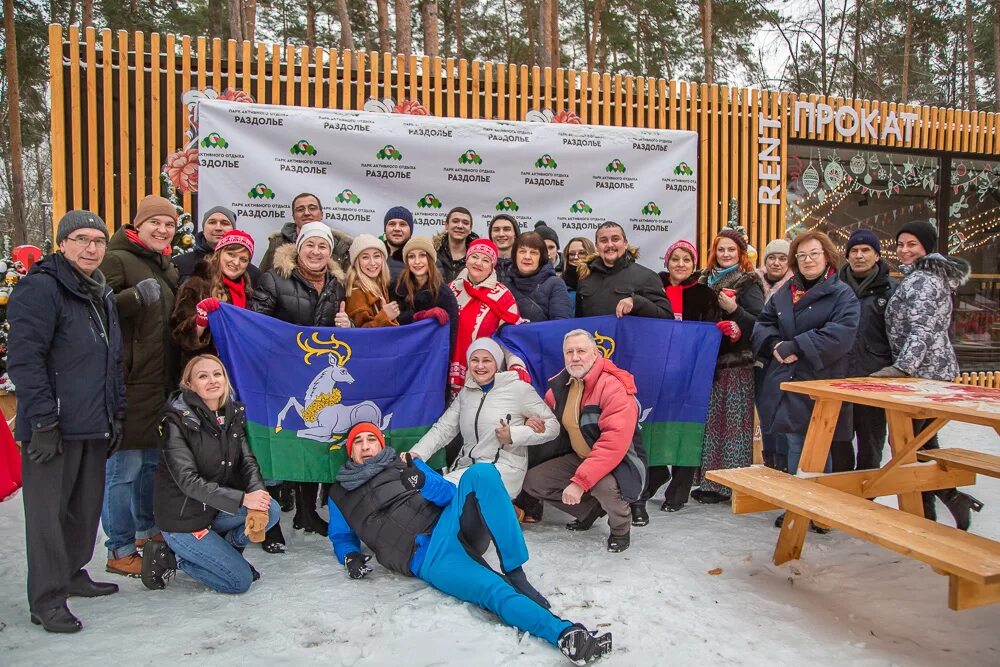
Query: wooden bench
x=971 y=562
x=963 y=459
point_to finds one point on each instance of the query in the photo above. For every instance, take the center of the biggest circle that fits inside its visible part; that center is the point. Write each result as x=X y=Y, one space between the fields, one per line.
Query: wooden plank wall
x=117 y=112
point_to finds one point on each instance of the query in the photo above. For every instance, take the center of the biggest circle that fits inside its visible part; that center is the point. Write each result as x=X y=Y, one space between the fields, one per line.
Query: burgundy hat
x=236 y=237
x=735 y=237
x=486 y=247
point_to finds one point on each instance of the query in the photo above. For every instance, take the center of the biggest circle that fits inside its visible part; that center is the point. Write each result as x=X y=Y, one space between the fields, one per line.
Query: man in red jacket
x=604 y=467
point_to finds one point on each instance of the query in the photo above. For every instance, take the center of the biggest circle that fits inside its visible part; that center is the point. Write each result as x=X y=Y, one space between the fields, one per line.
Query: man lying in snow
x=419 y=524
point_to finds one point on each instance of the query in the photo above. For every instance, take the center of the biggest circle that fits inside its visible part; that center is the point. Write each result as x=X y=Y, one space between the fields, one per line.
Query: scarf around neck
x=716 y=275
x=133 y=236
x=353 y=475
x=237 y=291
x=315 y=278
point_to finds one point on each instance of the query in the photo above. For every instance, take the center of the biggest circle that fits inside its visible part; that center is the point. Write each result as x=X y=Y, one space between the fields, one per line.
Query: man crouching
x=419 y=524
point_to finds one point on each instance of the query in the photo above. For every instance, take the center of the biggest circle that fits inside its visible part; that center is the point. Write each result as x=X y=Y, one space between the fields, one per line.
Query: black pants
x=62 y=507
x=870 y=430
x=930 y=510
x=681 y=480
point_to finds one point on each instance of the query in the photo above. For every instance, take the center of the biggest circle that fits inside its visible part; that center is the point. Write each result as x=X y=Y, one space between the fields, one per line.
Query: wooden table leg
x=900 y=435
x=791 y=538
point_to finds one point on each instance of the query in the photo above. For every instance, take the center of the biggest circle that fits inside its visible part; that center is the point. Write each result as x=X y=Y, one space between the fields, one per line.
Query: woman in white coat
x=498 y=416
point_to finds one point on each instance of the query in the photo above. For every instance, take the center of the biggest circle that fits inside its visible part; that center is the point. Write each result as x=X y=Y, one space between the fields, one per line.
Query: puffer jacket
x=152 y=365
x=187 y=263
x=285 y=295
x=450 y=268
x=871 y=348
x=918 y=317
x=476 y=414
x=287 y=234
x=600 y=288
x=542 y=296
x=204 y=468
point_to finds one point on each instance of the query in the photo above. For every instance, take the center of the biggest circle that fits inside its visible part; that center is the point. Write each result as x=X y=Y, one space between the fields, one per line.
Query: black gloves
x=357 y=565
x=147 y=291
x=45 y=444
x=117 y=435
x=411 y=476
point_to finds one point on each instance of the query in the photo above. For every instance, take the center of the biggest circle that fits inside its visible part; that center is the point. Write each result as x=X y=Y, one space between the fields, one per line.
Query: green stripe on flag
x=285 y=456
x=673 y=443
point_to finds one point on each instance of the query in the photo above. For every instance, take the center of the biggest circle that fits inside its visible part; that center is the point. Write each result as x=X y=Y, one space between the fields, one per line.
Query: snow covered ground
x=848 y=602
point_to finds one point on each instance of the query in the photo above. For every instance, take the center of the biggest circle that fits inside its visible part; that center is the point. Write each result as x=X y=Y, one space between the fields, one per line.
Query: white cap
x=490 y=346
x=314 y=230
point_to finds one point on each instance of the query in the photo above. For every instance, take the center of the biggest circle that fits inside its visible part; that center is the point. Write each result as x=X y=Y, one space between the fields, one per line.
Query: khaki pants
x=546 y=481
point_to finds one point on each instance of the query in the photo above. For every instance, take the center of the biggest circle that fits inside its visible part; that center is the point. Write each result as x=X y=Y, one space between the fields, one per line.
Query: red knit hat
x=683 y=245
x=363 y=427
x=235 y=237
x=485 y=247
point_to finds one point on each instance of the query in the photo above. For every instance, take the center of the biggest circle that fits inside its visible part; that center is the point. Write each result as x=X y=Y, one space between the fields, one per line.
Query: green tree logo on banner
x=651 y=209
x=683 y=170
x=261 y=191
x=580 y=206
x=546 y=162
x=470 y=157
x=214 y=140
x=507 y=204
x=347 y=197
x=616 y=166
x=389 y=152
x=429 y=201
x=302 y=147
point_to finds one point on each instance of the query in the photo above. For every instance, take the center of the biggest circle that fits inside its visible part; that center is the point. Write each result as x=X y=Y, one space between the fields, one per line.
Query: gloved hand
x=522 y=373
x=45 y=444
x=729 y=329
x=440 y=314
x=255 y=525
x=357 y=565
x=117 y=435
x=411 y=476
x=147 y=291
x=889 y=372
x=204 y=307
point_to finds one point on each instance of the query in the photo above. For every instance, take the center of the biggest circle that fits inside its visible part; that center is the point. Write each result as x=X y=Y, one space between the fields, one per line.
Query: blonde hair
x=189 y=371
x=378 y=286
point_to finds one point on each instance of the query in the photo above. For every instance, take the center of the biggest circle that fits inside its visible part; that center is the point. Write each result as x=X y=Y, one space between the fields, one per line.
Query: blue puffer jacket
x=824 y=324
x=64 y=358
x=541 y=296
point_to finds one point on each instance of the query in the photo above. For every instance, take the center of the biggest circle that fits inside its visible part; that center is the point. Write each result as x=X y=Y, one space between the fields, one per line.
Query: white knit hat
x=314 y=230
x=489 y=345
x=363 y=242
x=777 y=247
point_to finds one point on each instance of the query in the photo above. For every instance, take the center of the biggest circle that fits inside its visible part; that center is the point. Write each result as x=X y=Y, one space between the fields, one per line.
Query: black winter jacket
x=204 y=468
x=749 y=290
x=871 y=350
x=287 y=235
x=285 y=295
x=699 y=302
x=187 y=262
x=599 y=288
x=423 y=300
x=542 y=296
x=450 y=268
x=64 y=356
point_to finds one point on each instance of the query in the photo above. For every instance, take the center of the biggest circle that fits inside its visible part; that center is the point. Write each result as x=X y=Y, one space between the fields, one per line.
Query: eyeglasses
x=811 y=256
x=312 y=208
x=83 y=242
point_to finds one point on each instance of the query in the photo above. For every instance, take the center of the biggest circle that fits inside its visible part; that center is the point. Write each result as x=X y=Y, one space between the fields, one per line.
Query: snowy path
x=848 y=602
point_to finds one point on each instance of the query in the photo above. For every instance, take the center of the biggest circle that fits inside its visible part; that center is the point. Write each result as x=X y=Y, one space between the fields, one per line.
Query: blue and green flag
x=305 y=387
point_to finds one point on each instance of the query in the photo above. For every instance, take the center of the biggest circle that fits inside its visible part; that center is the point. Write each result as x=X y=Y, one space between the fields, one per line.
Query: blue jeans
x=795 y=444
x=216 y=559
x=127 y=514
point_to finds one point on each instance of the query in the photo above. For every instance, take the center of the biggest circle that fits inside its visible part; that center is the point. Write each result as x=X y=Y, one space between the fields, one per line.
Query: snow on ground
x=847 y=602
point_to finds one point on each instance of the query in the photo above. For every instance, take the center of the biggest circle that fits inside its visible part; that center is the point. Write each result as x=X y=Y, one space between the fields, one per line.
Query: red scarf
x=480 y=317
x=237 y=292
x=133 y=236
x=675 y=295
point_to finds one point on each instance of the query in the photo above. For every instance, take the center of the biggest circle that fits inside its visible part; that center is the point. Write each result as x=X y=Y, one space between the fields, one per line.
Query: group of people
x=126 y=414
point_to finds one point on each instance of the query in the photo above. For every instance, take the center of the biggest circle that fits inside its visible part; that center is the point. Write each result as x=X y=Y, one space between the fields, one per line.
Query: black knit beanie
x=925 y=232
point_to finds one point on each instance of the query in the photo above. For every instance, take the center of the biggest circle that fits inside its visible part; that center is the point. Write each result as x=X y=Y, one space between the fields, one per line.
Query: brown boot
x=141 y=542
x=129 y=566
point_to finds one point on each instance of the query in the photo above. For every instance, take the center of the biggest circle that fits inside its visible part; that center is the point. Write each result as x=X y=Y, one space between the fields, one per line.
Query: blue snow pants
x=481 y=511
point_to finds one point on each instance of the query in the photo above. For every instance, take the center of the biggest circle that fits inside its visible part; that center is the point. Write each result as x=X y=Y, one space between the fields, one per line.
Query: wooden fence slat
x=140 y=116
x=231 y=64
x=57 y=133
x=124 y=131
x=501 y=110
x=748 y=147
x=724 y=156
x=570 y=103
x=560 y=83
x=155 y=109
x=449 y=80
x=75 y=114
x=359 y=84
x=463 y=88
x=536 y=91
x=584 y=111
x=373 y=77
x=523 y=89
x=488 y=91
x=246 y=67
x=93 y=191
x=782 y=223
x=703 y=160
x=305 y=98
x=216 y=66
x=170 y=73
x=319 y=68
x=181 y=110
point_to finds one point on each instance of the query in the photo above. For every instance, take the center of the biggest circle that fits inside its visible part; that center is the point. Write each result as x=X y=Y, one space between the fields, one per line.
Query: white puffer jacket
x=476 y=415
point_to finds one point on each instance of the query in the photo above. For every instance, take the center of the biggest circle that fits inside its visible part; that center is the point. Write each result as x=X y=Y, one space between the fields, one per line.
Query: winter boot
x=58 y=619
x=519 y=581
x=618 y=543
x=274 y=540
x=128 y=566
x=581 y=645
x=961 y=505
x=707 y=497
x=284 y=494
x=305 y=509
x=158 y=565
x=930 y=509
x=639 y=515
x=587 y=521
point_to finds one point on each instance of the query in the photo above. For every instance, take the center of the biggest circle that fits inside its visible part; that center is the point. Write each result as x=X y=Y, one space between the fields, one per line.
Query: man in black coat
x=868 y=275
x=214 y=224
x=65 y=356
x=397 y=230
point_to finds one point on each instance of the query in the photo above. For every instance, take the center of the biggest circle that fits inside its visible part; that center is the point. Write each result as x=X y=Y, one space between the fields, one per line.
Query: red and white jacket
x=482 y=310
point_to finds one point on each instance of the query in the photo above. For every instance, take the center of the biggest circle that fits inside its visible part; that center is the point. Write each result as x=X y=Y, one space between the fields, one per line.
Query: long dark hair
x=407 y=283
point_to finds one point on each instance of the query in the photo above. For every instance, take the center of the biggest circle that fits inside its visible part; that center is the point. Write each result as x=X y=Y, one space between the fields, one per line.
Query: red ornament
x=26 y=255
x=412 y=108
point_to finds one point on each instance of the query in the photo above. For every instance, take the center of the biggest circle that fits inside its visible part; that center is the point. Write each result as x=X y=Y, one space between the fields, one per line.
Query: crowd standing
x=127 y=416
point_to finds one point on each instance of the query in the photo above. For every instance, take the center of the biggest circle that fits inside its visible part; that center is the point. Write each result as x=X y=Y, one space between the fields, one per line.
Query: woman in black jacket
x=209 y=498
x=541 y=295
x=421 y=291
x=305 y=287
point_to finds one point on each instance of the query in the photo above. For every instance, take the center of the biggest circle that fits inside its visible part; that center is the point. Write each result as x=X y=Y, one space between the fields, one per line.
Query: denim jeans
x=795 y=443
x=127 y=514
x=216 y=559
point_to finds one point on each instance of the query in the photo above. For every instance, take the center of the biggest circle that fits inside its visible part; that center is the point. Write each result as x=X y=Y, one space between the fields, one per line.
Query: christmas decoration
x=11 y=271
x=833 y=174
x=810 y=179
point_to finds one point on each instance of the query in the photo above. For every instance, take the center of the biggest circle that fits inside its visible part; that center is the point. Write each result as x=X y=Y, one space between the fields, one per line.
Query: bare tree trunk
x=404 y=24
x=215 y=28
x=544 y=34
x=996 y=53
x=382 y=7
x=88 y=14
x=822 y=47
x=459 y=35
x=706 y=40
x=528 y=11
x=556 y=58
x=603 y=51
x=970 y=48
x=235 y=19
x=311 y=24
x=250 y=20
x=432 y=40
x=594 y=36
x=904 y=92
x=857 y=49
x=18 y=222
x=346 y=35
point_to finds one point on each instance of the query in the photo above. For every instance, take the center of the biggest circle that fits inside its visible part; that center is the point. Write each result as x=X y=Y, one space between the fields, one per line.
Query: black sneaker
x=581 y=645
x=708 y=497
x=639 y=515
x=588 y=521
x=618 y=543
x=671 y=507
x=158 y=565
x=253 y=572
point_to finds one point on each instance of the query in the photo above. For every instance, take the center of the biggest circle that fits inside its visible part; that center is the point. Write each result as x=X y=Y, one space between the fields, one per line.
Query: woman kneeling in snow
x=419 y=524
x=498 y=415
x=209 y=499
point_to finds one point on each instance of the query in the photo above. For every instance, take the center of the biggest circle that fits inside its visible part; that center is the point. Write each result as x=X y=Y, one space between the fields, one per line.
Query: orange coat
x=365 y=310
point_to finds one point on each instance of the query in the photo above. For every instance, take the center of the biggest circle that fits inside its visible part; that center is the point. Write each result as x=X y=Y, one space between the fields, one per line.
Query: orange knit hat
x=363 y=427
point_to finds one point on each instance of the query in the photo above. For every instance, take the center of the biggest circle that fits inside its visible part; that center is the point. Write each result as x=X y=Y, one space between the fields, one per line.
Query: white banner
x=255 y=158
